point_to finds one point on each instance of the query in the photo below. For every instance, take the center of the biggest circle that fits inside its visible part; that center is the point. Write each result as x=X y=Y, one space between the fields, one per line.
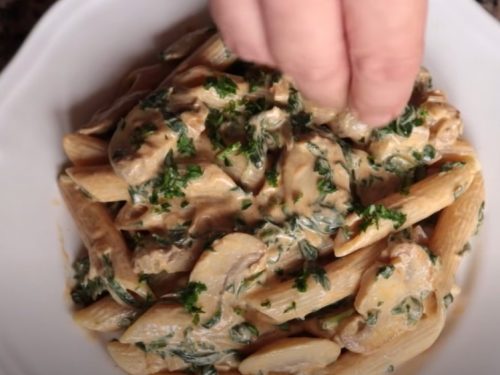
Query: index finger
x=386 y=39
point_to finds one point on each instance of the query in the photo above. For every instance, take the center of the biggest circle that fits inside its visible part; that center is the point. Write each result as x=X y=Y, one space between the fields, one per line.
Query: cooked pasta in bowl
x=232 y=226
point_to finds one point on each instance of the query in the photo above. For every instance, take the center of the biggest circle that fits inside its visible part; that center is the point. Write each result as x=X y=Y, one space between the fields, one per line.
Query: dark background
x=17 y=17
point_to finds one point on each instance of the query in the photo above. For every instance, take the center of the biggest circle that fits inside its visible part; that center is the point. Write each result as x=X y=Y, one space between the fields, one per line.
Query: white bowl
x=68 y=67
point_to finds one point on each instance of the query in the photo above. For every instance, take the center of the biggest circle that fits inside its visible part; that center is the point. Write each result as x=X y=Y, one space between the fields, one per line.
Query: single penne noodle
x=213 y=54
x=460 y=148
x=100 y=182
x=283 y=302
x=103 y=242
x=134 y=361
x=84 y=150
x=425 y=198
x=391 y=355
x=106 y=119
x=457 y=223
x=105 y=315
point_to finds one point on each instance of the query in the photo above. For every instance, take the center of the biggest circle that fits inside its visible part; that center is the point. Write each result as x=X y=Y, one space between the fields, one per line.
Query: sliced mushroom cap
x=390 y=299
x=310 y=168
x=134 y=361
x=391 y=145
x=139 y=145
x=293 y=356
x=186 y=44
x=235 y=258
x=346 y=125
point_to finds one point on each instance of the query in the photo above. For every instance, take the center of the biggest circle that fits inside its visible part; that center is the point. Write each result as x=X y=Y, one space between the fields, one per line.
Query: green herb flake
x=372 y=317
x=272 y=177
x=450 y=165
x=390 y=369
x=214 y=320
x=480 y=218
x=308 y=251
x=185 y=145
x=403 y=125
x=426 y=156
x=411 y=307
x=385 y=271
x=246 y=204
x=300 y=281
x=292 y=306
x=224 y=155
x=223 y=85
x=154 y=100
x=244 y=333
x=448 y=300
x=189 y=297
x=140 y=133
x=266 y=304
x=294 y=104
x=372 y=214
x=432 y=257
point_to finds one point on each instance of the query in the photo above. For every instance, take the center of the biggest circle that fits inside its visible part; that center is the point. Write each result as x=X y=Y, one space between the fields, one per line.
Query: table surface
x=17 y=17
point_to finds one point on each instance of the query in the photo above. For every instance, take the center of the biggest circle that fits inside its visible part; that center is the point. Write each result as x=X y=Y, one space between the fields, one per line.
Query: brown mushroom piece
x=391 y=298
x=297 y=355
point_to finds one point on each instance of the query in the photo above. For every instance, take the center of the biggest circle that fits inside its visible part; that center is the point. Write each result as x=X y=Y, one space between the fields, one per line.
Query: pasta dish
x=231 y=226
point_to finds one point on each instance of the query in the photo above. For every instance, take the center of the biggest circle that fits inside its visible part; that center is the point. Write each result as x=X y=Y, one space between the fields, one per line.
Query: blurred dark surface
x=17 y=17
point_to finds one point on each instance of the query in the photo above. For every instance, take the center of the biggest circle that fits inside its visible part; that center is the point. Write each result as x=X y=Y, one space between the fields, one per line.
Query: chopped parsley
x=290 y=307
x=373 y=213
x=266 y=304
x=140 y=133
x=260 y=78
x=245 y=204
x=214 y=320
x=300 y=122
x=308 y=251
x=293 y=105
x=411 y=307
x=448 y=300
x=244 y=333
x=385 y=271
x=318 y=274
x=300 y=282
x=427 y=155
x=403 y=125
x=185 y=145
x=272 y=177
x=225 y=154
x=154 y=100
x=432 y=257
x=480 y=218
x=189 y=298
x=115 y=287
x=213 y=123
x=325 y=183
x=223 y=85
x=450 y=165
x=372 y=317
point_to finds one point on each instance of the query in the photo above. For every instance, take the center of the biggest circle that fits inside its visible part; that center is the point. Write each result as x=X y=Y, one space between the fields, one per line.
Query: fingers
x=242 y=29
x=306 y=41
x=385 y=39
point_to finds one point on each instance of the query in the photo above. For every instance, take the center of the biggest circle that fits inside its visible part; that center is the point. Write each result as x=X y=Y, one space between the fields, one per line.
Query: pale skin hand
x=364 y=54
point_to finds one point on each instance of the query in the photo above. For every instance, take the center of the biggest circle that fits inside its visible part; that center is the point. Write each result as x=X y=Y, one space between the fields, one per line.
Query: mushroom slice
x=292 y=355
x=185 y=45
x=391 y=298
x=105 y=315
x=235 y=259
x=134 y=361
x=314 y=178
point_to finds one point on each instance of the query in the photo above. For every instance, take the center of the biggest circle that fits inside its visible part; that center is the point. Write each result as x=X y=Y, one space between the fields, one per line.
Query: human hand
x=360 y=53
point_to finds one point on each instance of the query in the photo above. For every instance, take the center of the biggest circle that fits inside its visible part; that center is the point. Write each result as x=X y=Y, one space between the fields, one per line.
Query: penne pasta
x=108 y=253
x=287 y=303
x=391 y=355
x=100 y=182
x=461 y=219
x=212 y=186
x=135 y=361
x=105 y=315
x=85 y=150
x=424 y=199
